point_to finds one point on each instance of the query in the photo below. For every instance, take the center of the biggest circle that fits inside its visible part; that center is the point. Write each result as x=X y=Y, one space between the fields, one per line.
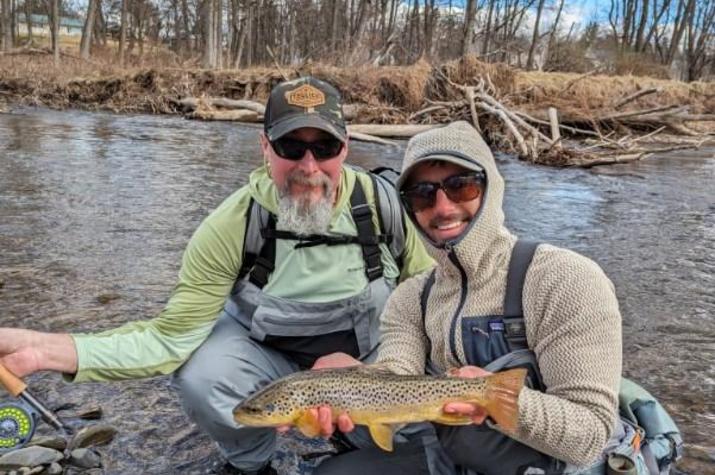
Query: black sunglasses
x=458 y=188
x=292 y=149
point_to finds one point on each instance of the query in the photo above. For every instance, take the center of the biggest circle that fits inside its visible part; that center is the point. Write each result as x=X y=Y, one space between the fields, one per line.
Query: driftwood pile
x=620 y=135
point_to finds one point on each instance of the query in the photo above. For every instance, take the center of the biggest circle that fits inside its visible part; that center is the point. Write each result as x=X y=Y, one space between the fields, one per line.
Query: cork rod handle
x=14 y=385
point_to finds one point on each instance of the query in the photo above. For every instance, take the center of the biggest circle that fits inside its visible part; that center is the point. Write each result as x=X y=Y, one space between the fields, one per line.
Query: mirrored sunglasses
x=458 y=188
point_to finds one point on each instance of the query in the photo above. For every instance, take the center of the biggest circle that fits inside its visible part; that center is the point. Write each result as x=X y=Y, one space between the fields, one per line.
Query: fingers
x=345 y=423
x=335 y=360
x=325 y=420
x=469 y=372
x=477 y=413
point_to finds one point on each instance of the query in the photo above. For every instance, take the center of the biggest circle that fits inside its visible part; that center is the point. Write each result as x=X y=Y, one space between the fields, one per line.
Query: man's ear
x=264 y=142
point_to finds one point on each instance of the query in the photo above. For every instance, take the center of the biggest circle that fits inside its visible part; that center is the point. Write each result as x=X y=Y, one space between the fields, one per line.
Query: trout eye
x=252 y=409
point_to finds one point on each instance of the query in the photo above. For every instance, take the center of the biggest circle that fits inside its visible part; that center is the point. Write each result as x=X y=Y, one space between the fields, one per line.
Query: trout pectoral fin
x=382 y=435
x=308 y=424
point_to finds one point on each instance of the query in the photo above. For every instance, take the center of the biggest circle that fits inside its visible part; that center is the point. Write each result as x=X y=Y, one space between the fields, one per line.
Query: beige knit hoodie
x=571 y=314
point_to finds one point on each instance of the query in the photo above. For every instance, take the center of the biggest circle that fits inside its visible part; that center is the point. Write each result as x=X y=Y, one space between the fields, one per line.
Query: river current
x=96 y=208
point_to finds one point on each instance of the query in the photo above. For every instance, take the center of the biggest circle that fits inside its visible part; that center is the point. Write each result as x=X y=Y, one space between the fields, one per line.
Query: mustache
x=297 y=177
x=448 y=218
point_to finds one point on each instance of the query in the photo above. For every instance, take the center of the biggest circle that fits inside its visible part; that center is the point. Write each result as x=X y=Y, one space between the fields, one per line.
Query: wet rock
x=92 y=412
x=29 y=457
x=31 y=471
x=2 y=283
x=107 y=297
x=85 y=458
x=92 y=436
x=50 y=441
x=54 y=469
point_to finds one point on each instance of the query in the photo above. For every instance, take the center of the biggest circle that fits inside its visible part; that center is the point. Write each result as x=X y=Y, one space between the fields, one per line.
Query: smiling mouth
x=448 y=226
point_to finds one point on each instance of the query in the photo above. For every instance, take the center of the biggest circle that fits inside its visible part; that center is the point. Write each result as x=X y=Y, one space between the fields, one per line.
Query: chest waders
x=304 y=330
x=497 y=343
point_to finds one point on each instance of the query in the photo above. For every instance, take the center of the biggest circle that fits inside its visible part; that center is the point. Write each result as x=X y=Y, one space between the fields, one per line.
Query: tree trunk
x=208 y=60
x=56 y=31
x=535 y=36
x=88 y=29
x=123 y=32
x=28 y=21
x=487 y=29
x=7 y=25
x=469 y=12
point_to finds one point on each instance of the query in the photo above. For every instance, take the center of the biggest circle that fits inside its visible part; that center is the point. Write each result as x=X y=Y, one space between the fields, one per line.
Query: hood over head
x=461 y=144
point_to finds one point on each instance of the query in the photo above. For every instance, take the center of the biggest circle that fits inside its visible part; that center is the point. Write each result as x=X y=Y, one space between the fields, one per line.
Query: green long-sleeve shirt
x=209 y=270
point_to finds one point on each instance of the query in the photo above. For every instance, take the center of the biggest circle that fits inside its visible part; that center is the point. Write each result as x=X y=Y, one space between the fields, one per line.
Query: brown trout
x=379 y=399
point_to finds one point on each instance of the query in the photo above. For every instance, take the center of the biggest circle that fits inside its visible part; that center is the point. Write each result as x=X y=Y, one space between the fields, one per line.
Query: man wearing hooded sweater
x=453 y=192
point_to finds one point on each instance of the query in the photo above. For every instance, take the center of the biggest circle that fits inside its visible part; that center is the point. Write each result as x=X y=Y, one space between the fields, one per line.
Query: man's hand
x=24 y=352
x=324 y=414
x=476 y=412
x=336 y=360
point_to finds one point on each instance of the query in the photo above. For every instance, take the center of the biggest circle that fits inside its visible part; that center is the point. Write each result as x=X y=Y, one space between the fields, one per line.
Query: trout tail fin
x=502 y=397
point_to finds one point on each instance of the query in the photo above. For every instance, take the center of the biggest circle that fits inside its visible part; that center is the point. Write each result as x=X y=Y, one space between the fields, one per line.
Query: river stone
x=32 y=471
x=91 y=436
x=29 y=457
x=107 y=297
x=54 y=469
x=50 y=441
x=85 y=458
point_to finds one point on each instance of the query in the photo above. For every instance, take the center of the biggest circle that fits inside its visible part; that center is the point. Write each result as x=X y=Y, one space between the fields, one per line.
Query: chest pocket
x=498 y=342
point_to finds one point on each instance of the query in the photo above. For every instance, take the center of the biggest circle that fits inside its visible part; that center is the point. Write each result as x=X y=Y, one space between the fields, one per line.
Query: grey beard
x=302 y=217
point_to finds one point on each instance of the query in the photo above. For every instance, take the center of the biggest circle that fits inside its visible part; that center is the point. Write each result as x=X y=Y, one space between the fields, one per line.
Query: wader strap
x=424 y=295
x=265 y=262
x=252 y=241
x=366 y=233
x=514 y=327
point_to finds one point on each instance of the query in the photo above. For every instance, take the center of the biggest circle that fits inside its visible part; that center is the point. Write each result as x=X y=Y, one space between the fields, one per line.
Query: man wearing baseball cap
x=295 y=265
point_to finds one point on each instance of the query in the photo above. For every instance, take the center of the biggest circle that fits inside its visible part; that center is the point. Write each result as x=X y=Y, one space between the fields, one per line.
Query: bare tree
x=123 y=32
x=88 y=29
x=535 y=36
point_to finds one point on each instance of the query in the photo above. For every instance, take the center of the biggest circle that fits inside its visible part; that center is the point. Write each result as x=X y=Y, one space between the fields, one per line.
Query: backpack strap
x=266 y=261
x=362 y=216
x=256 y=216
x=514 y=327
x=389 y=210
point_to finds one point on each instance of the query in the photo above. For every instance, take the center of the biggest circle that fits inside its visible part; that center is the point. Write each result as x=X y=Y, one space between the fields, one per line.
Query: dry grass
x=386 y=94
x=583 y=96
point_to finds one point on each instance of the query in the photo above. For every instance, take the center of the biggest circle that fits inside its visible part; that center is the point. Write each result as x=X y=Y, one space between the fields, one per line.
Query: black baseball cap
x=304 y=102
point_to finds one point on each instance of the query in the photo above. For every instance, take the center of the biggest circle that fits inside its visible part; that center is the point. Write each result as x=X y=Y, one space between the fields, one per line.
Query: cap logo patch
x=305 y=96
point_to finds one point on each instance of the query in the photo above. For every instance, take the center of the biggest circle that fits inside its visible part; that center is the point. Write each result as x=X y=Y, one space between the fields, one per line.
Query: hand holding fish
x=476 y=412
x=324 y=414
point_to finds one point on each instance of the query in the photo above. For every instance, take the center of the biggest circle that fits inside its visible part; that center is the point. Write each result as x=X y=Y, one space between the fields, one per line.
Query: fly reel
x=17 y=425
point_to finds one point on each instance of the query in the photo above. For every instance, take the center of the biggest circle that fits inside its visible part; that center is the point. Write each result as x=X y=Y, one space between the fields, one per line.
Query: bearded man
x=295 y=265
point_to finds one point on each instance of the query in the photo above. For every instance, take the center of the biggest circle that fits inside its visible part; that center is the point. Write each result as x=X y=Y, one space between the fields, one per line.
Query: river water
x=96 y=207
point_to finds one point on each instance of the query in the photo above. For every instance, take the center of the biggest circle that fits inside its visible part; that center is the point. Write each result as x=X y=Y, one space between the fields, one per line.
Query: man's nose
x=308 y=164
x=442 y=203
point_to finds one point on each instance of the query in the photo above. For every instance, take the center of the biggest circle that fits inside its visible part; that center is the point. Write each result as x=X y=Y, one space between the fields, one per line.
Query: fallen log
x=192 y=103
x=239 y=115
x=370 y=138
x=634 y=96
x=395 y=131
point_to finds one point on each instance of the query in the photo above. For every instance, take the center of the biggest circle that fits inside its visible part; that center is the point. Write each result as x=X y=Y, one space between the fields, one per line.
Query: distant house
x=41 y=25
